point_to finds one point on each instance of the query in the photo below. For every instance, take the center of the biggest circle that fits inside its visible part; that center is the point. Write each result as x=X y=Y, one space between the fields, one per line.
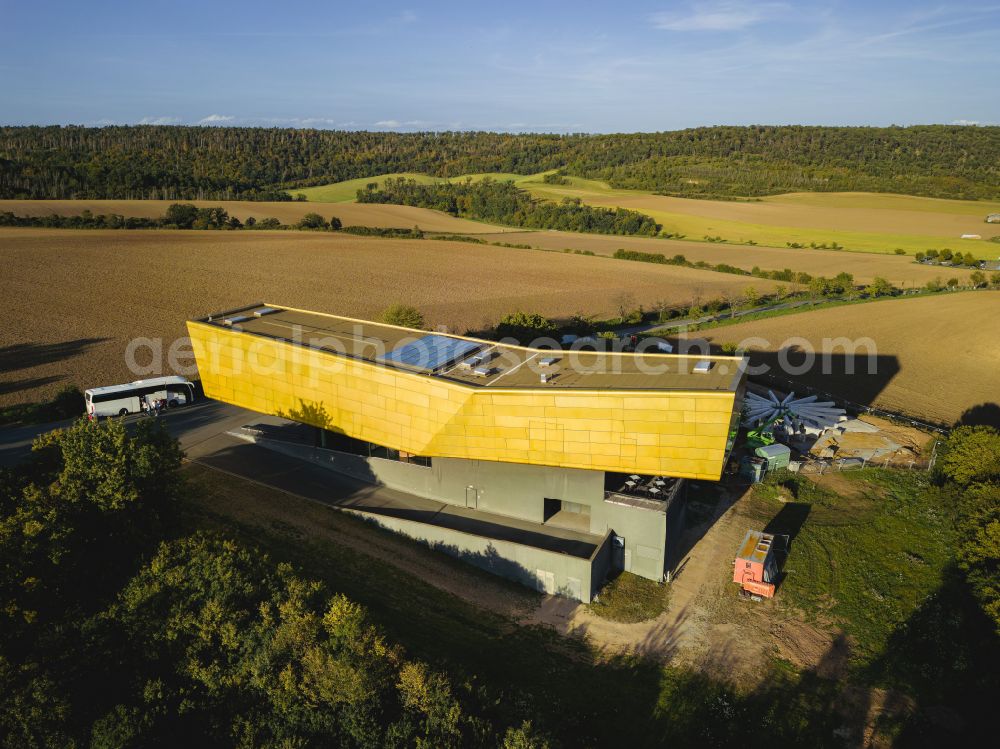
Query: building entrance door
x=471 y=497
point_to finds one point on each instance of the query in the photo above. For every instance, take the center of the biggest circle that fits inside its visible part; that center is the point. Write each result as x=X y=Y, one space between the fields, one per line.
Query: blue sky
x=512 y=66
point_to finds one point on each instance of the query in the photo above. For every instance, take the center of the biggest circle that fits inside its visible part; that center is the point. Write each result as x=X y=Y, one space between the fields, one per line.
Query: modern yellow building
x=606 y=423
x=656 y=414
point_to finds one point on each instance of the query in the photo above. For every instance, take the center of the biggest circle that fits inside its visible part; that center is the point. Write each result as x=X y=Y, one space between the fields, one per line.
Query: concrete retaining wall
x=545 y=571
x=511 y=490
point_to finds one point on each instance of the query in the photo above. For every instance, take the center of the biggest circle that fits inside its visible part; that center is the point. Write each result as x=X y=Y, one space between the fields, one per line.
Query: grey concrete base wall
x=514 y=489
x=600 y=566
x=676 y=516
x=645 y=534
x=508 y=489
x=545 y=571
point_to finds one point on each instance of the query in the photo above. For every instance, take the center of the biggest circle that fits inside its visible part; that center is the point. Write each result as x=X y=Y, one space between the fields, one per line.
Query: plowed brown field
x=902 y=271
x=936 y=356
x=73 y=299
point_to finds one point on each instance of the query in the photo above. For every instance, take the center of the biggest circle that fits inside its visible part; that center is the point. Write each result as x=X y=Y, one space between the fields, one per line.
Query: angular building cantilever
x=436 y=395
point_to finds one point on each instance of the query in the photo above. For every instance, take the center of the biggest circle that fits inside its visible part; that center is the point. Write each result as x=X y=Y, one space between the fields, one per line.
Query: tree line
x=223 y=163
x=969 y=466
x=115 y=630
x=502 y=202
x=177 y=216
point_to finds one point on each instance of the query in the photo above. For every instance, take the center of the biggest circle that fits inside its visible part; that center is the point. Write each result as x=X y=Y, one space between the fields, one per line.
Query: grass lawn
x=630 y=598
x=866 y=556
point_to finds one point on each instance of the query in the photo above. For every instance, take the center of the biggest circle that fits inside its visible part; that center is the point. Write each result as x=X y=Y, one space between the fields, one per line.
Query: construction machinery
x=756 y=567
x=764 y=459
x=794 y=414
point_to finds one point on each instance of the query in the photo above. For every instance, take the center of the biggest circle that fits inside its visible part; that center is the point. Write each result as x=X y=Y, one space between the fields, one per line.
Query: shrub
x=66 y=404
x=879 y=287
x=181 y=215
x=312 y=221
x=970 y=455
x=523 y=326
x=404 y=316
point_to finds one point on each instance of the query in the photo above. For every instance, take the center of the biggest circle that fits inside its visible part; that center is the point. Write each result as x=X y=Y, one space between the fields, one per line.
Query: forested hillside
x=253 y=163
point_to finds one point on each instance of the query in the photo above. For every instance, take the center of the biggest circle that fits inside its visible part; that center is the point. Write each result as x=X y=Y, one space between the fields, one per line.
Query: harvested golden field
x=900 y=270
x=859 y=221
x=857 y=212
x=936 y=356
x=866 y=222
x=351 y=214
x=73 y=299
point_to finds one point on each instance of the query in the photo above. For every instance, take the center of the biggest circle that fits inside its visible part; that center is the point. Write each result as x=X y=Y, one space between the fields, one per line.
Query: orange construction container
x=756 y=566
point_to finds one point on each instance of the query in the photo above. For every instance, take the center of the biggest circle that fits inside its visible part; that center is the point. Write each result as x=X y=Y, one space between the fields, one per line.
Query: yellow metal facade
x=651 y=432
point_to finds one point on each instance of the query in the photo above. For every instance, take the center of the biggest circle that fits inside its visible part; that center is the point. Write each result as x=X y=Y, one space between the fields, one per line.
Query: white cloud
x=159 y=121
x=389 y=123
x=727 y=15
x=216 y=119
x=965 y=122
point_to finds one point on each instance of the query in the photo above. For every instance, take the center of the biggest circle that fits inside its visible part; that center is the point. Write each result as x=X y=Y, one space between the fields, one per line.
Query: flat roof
x=756 y=546
x=481 y=363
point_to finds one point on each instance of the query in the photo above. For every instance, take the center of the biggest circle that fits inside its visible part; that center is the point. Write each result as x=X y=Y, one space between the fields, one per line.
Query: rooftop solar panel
x=430 y=353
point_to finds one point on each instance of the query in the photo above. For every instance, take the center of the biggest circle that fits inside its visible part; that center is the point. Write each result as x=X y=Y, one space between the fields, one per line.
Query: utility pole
x=930 y=465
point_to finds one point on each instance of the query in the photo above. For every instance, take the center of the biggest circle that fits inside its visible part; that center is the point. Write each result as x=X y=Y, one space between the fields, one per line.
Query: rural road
x=192 y=425
x=203 y=432
x=661 y=326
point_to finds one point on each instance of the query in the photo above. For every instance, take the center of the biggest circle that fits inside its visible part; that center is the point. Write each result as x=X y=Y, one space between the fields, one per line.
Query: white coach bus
x=119 y=400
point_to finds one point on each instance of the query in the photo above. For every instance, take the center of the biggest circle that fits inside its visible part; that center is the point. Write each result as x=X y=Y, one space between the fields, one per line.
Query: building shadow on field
x=985 y=414
x=855 y=378
x=15 y=386
x=27 y=355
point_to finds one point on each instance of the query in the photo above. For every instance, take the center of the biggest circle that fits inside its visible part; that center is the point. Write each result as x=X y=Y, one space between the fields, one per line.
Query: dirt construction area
x=706 y=626
x=74 y=299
